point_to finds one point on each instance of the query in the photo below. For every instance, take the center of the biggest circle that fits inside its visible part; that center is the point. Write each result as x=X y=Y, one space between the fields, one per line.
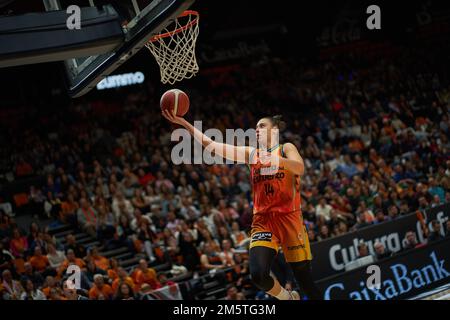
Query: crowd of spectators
x=374 y=136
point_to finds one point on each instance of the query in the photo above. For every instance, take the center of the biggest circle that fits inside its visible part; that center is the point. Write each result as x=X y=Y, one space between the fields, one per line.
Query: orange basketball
x=176 y=100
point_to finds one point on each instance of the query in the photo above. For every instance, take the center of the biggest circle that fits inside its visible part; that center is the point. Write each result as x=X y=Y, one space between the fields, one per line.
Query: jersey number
x=268 y=188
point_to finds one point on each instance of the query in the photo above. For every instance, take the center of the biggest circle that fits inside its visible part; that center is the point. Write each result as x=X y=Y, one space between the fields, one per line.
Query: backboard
x=140 y=21
x=107 y=34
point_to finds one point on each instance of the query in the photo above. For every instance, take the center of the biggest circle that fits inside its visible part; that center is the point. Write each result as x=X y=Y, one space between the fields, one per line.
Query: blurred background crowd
x=374 y=136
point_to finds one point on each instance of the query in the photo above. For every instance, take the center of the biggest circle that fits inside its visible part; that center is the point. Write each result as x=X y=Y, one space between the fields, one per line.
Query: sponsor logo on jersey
x=262 y=236
x=300 y=246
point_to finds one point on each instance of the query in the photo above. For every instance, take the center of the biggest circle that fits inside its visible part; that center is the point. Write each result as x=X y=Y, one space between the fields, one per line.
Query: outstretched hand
x=172 y=117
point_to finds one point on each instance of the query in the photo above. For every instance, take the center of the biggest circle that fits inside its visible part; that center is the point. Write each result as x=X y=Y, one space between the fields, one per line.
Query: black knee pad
x=260 y=262
x=262 y=279
x=302 y=266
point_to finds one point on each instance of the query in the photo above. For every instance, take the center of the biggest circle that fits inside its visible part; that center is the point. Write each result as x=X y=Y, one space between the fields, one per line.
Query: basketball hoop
x=174 y=48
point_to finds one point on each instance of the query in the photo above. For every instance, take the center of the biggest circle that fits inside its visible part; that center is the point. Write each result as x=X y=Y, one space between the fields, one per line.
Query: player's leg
x=264 y=244
x=296 y=248
x=260 y=262
x=303 y=276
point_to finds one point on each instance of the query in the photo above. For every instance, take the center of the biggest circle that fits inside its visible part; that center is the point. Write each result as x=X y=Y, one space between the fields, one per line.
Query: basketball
x=176 y=100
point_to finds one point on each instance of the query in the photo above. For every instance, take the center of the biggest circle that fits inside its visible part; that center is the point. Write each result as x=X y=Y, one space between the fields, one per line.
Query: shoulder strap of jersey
x=282 y=151
x=250 y=157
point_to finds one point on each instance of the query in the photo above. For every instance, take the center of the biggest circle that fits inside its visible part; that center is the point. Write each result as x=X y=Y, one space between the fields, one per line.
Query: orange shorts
x=285 y=230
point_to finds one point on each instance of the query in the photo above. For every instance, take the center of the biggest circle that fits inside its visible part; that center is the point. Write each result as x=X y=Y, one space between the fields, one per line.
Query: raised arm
x=239 y=154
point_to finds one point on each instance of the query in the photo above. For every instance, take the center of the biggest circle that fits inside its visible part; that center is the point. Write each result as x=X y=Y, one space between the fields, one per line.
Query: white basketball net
x=175 y=54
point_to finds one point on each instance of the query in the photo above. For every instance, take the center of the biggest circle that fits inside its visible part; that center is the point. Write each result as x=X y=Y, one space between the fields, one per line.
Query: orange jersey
x=275 y=189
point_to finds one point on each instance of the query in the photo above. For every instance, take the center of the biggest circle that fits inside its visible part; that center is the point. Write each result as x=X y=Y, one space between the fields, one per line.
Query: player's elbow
x=295 y=167
x=299 y=169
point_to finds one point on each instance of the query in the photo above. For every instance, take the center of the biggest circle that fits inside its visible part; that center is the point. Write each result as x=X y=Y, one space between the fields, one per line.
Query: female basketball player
x=275 y=172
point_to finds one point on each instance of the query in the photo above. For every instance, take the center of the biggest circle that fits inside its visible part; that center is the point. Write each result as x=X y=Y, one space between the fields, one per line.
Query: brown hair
x=277 y=122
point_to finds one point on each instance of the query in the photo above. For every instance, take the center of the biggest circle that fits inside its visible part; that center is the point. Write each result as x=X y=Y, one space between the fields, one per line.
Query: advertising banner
x=402 y=276
x=330 y=256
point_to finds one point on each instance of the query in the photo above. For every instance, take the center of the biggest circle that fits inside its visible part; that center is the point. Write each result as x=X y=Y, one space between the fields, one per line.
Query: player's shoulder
x=288 y=146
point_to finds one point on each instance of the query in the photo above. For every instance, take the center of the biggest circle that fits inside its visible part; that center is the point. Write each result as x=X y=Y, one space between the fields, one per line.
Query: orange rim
x=171 y=33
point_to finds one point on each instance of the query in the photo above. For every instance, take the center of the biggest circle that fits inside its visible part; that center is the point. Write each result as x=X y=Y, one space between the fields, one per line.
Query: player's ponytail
x=277 y=122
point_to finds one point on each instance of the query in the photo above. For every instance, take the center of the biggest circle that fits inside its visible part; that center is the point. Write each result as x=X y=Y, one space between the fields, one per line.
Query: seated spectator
x=100 y=290
x=139 y=202
x=348 y=167
x=232 y=292
x=227 y=253
x=40 y=262
x=105 y=225
x=224 y=234
x=211 y=259
x=69 y=209
x=113 y=271
x=36 y=202
x=71 y=244
x=241 y=270
x=145 y=238
x=236 y=234
x=30 y=292
x=312 y=235
x=12 y=289
x=32 y=275
x=6 y=259
x=70 y=259
x=18 y=244
x=364 y=257
x=100 y=261
x=144 y=274
x=72 y=294
x=138 y=218
x=33 y=232
x=56 y=294
x=240 y=296
x=39 y=241
x=363 y=251
x=125 y=292
x=55 y=257
x=144 y=292
x=380 y=217
x=436 y=201
x=323 y=209
x=170 y=243
x=92 y=270
x=145 y=178
x=423 y=203
x=122 y=277
x=410 y=241
x=162 y=278
x=324 y=233
x=49 y=284
x=436 y=190
x=172 y=222
x=435 y=234
x=87 y=217
x=361 y=221
x=335 y=218
x=393 y=212
x=381 y=252
x=188 y=250
x=23 y=168
x=120 y=205
x=52 y=206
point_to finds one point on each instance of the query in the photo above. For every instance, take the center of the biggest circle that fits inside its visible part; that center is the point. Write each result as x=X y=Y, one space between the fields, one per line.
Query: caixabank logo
x=402 y=276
